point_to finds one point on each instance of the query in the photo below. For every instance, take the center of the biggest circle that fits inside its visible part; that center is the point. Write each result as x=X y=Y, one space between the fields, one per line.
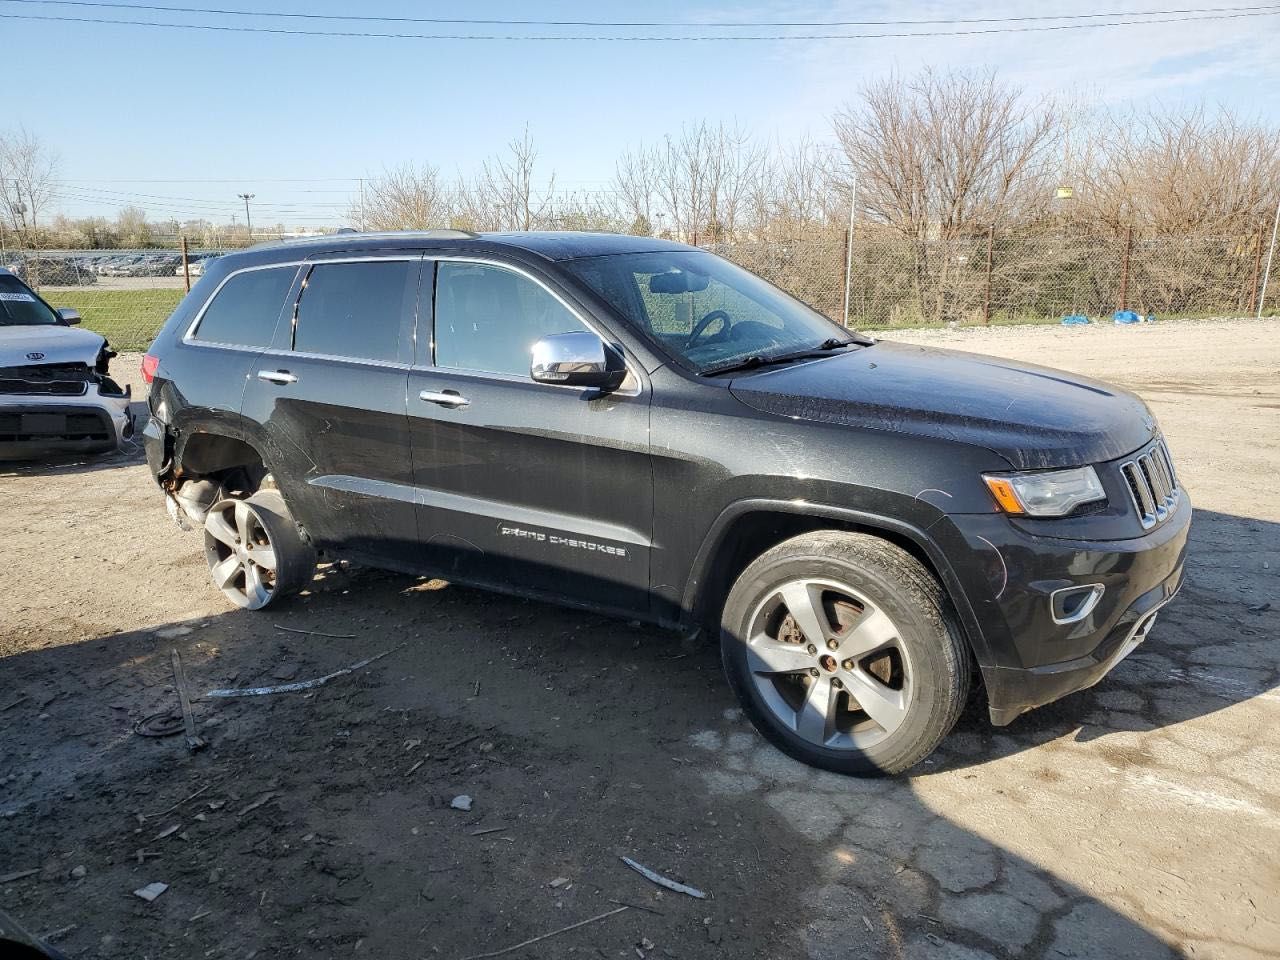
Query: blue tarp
x=1075 y=318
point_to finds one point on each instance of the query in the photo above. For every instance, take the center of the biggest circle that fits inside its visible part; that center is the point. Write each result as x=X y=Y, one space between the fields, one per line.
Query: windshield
x=703 y=309
x=20 y=307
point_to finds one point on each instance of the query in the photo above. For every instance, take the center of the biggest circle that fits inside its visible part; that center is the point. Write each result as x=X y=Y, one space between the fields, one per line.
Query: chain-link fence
x=990 y=276
x=125 y=295
x=1013 y=276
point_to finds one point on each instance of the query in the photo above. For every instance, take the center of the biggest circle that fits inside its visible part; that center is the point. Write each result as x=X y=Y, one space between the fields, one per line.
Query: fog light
x=1073 y=604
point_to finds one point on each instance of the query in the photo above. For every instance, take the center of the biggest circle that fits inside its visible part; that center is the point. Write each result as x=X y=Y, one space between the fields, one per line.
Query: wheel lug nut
x=848 y=664
x=835 y=682
x=812 y=649
x=833 y=644
x=813 y=671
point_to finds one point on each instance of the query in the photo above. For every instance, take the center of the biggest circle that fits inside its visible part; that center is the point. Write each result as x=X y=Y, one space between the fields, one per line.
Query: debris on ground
x=461 y=802
x=265 y=798
x=662 y=881
x=78 y=872
x=300 y=685
x=558 y=882
x=546 y=936
x=19 y=875
x=316 y=633
x=151 y=891
x=166 y=723
x=194 y=741
x=1260 y=607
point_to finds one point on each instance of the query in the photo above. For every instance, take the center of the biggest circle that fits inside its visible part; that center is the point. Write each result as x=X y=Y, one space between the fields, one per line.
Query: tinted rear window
x=245 y=310
x=356 y=309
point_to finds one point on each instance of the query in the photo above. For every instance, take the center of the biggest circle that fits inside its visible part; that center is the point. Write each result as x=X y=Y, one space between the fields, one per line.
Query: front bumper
x=32 y=426
x=1030 y=657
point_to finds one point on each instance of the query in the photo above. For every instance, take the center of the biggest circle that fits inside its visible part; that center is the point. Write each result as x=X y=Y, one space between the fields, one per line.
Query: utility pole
x=246 y=197
x=362 y=222
x=848 y=247
x=1266 y=275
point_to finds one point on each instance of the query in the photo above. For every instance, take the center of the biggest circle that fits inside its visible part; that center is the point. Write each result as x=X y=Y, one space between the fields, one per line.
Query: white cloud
x=1228 y=61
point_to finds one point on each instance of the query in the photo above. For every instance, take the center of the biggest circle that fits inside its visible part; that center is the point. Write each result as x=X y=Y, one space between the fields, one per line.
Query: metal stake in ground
x=194 y=742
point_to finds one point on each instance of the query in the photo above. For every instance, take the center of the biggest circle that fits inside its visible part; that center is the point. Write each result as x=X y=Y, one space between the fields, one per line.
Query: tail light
x=150 y=364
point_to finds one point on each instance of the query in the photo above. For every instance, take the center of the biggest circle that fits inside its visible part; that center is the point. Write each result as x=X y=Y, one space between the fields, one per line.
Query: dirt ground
x=1138 y=819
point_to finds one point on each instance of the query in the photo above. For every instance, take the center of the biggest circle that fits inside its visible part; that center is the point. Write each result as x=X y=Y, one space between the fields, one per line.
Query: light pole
x=246 y=197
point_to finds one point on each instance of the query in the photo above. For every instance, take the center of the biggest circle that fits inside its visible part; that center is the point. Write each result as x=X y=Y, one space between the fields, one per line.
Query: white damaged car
x=55 y=394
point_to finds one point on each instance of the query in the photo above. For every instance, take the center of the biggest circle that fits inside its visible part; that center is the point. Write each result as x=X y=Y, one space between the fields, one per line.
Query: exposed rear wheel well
x=233 y=465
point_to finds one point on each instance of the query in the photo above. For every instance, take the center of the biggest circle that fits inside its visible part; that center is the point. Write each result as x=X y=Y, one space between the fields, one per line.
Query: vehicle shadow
x=587 y=738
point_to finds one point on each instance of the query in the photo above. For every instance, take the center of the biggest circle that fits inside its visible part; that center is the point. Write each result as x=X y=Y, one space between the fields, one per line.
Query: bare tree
x=504 y=196
x=939 y=156
x=704 y=178
x=635 y=185
x=801 y=191
x=407 y=197
x=28 y=171
x=132 y=227
x=1179 y=172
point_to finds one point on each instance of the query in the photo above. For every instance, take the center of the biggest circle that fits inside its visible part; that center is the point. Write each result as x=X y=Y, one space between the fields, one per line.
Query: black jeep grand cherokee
x=640 y=427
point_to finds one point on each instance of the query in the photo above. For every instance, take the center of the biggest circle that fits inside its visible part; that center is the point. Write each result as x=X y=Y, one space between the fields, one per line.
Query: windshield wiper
x=760 y=360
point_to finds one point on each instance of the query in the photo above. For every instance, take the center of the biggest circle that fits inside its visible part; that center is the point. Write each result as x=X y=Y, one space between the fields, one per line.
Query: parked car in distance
x=56 y=393
x=642 y=428
x=197 y=265
x=51 y=272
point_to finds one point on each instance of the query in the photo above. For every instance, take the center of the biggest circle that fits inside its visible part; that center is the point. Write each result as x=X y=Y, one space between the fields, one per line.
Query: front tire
x=255 y=552
x=845 y=653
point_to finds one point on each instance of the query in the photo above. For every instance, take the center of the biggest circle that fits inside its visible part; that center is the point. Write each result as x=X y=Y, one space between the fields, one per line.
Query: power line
x=130 y=195
x=723 y=38
x=217 y=180
x=705 y=25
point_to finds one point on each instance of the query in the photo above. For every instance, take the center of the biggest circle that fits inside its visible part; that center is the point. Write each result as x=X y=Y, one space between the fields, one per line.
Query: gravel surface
x=1137 y=819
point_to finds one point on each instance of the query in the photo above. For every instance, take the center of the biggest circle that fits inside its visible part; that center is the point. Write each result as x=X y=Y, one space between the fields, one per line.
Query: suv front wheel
x=844 y=652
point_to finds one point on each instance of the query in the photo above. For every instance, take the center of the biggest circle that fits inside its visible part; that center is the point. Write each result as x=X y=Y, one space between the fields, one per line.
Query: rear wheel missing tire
x=844 y=653
x=255 y=553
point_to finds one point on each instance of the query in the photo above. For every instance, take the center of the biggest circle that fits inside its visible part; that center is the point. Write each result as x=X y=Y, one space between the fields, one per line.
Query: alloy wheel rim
x=829 y=664
x=242 y=559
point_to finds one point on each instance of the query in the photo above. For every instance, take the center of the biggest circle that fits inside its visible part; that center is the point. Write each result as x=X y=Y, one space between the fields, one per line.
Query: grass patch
x=129 y=319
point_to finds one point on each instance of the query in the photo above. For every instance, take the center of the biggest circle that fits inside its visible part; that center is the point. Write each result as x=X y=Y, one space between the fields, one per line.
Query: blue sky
x=150 y=105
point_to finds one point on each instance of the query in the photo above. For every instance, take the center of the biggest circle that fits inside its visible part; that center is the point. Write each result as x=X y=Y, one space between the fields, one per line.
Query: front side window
x=488 y=318
x=356 y=309
x=19 y=307
x=244 y=311
x=704 y=310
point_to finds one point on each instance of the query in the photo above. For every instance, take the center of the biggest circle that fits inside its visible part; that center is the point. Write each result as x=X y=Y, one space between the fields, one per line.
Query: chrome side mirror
x=577 y=359
x=69 y=315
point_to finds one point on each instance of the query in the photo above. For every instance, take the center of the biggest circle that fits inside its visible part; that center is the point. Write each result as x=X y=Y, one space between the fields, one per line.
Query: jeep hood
x=59 y=345
x=1032 y=416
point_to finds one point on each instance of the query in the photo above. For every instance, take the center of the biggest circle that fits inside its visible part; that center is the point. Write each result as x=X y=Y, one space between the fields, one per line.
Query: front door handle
x=446 y=398
x=277 y=376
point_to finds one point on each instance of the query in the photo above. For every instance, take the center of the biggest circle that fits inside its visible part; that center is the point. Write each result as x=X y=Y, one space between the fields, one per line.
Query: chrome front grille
x=1152 y=484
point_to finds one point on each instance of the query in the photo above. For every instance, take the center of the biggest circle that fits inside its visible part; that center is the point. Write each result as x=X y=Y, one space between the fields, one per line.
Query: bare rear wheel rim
x=241 y=556
x=829 y=664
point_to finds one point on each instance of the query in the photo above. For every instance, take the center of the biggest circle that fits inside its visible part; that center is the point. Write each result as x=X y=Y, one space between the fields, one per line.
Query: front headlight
x=1054 y=493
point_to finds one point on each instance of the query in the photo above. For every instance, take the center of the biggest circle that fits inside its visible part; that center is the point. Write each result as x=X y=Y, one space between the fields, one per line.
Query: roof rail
x=446 y=233
x=437 y=234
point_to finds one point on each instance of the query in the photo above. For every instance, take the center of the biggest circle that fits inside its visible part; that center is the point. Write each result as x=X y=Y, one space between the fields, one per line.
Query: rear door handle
x=277 y=376
x=446 y=398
